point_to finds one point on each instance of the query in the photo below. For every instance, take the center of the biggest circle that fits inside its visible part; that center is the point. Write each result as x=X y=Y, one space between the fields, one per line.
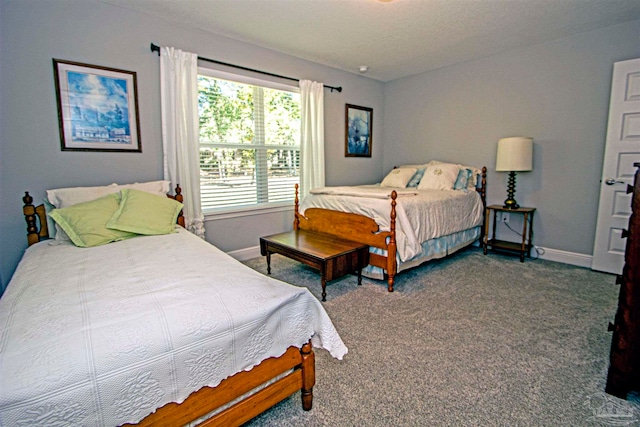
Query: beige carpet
x=471 y=340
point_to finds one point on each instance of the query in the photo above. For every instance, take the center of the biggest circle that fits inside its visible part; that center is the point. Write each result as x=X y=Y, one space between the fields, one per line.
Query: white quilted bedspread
x=421 y=214
x=104 y=336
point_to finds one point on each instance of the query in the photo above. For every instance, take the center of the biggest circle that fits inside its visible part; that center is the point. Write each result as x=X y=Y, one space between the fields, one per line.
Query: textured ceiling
x=395 y=38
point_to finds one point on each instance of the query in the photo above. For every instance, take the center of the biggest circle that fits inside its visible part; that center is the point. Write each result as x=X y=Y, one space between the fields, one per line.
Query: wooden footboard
x=301 y=363
x=358 y=228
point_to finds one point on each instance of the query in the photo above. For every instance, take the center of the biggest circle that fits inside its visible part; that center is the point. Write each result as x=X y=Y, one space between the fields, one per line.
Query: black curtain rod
x=156 y=48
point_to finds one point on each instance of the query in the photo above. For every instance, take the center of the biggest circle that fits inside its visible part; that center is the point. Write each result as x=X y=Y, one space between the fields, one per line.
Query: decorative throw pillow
x=65 y=197
x=415 y=180
x=471 y=182
x=85 y=223
x=473 y=177
x=439 y=177
x=463 y=180
x=145 y=213
x=398 y=177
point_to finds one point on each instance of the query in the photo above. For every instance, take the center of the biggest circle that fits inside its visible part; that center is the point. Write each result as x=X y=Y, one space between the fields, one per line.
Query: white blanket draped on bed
x=375 y=192
x=105 y=335
x=421 y=214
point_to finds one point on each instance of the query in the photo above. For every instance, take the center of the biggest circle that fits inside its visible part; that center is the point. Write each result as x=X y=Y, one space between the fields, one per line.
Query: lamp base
x=511 y=203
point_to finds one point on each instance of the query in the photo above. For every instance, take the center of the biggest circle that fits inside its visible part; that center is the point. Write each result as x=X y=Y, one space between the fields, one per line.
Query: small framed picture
x=359 y=121
x=97 y=108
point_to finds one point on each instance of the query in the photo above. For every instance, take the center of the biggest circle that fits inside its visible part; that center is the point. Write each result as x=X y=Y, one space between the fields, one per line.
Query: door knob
x=611 y=181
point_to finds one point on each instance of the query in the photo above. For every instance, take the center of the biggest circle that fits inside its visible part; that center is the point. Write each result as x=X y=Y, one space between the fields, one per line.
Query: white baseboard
x=246 y=253
x=572 y=258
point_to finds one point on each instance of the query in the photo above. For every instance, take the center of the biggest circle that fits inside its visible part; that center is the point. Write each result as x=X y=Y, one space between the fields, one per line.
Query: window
x=249 y=142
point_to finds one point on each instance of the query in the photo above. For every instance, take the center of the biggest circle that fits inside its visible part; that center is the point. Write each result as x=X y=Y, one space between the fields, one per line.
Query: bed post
x=308 y=375
x=30 y=216
x=483 y=186
x=483 y=196
x=34 y=233
x=391 y=247
x=180 y=198
x=296 y=220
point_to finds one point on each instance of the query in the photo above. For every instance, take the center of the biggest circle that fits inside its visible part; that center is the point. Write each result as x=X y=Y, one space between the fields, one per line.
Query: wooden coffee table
x=332 y=256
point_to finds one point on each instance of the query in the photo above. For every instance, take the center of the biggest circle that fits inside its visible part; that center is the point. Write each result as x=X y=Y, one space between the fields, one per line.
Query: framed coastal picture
x=359 y=121
x=97 y=108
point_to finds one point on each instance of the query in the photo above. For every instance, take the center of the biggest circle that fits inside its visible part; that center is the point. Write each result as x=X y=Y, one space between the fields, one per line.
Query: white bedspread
x=104 y=336
x=421 y=214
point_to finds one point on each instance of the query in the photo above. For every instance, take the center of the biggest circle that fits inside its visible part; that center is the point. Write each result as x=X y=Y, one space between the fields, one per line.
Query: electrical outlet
x=505 y=217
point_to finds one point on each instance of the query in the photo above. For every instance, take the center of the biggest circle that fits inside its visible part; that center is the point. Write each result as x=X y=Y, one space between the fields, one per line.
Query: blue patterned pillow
x=415 y=180
x=462 y=180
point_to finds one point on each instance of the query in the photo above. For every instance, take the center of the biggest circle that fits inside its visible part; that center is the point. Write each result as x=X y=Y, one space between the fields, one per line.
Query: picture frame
x=358 y=131
x=97 y=108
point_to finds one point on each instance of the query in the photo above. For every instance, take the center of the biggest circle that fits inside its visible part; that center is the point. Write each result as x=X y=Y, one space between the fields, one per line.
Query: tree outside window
x=249 y=144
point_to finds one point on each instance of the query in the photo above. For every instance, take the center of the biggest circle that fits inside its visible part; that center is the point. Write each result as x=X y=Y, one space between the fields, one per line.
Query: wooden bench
x=333 y=256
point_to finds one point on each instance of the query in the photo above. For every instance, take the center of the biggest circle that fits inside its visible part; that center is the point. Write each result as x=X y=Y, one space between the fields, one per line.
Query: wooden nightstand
x=524 y=247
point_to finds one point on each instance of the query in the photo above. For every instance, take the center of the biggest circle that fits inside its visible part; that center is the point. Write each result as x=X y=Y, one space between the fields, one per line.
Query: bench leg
x=359 y=277
x=268 y=262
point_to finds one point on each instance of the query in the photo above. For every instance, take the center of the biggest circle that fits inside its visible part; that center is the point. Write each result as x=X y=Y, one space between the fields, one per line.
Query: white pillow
x=473 y=178
x=439 y=177
x=65 y=197
x=398 y=178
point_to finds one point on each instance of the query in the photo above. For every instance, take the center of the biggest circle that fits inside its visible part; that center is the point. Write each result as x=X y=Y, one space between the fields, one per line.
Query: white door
x=622 y=149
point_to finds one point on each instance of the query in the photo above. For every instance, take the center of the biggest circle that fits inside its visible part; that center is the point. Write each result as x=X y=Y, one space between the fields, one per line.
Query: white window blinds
x=249 y=142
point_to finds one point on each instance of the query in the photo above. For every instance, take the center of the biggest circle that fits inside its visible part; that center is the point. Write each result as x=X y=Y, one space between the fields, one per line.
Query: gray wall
x=34 y=32
x=556 y=92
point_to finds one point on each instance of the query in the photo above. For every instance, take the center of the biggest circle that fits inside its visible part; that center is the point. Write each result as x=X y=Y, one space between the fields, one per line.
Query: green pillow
x=85 y=223
x=145 y=213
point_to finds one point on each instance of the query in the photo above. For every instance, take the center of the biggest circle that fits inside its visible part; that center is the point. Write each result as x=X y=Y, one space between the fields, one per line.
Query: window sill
x=253 y=211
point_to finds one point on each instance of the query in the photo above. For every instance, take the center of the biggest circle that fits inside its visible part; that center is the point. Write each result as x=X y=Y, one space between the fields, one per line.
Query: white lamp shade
x=514 y=154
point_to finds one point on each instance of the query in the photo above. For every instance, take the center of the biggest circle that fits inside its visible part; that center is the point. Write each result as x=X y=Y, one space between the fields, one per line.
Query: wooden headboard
x=38 y=230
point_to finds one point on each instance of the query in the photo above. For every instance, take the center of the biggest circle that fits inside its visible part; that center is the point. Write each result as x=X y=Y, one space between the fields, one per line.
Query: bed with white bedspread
x=427 y=222
x=105 y=335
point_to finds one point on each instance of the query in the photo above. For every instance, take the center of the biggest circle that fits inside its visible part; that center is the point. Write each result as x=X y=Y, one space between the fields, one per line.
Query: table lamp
x=515 y=154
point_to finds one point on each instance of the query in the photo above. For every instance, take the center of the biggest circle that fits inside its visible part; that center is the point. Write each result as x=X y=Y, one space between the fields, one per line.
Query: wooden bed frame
x=278 y=377
x=360 y=228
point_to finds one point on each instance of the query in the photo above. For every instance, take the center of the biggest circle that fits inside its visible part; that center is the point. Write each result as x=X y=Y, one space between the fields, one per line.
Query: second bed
x=404 y=223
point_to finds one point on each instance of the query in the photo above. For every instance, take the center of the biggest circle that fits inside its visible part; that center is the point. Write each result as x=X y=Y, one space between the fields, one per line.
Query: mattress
x=105 y=335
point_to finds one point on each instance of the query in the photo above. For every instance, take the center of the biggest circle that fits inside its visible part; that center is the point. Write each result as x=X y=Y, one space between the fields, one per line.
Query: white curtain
x=180 y=132
x=312 y=136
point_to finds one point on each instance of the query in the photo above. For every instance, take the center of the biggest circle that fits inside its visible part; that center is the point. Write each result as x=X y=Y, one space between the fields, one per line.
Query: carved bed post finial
x=296 y=220
x=483 y=188
x=29 y=212
x=391 y=249
x=180 y=198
